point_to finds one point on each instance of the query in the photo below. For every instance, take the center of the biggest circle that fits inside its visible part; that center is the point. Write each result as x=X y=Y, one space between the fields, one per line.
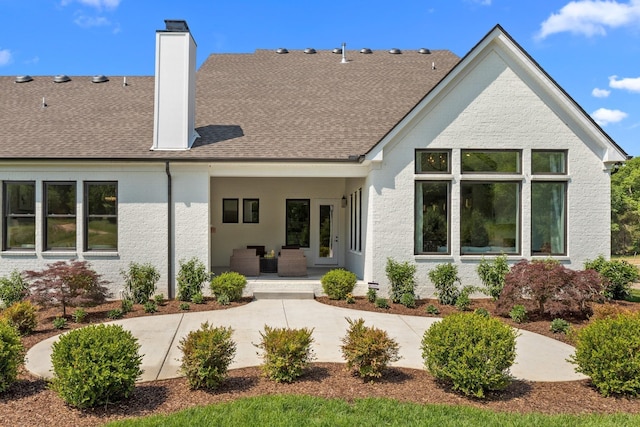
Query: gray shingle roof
x=263 y=106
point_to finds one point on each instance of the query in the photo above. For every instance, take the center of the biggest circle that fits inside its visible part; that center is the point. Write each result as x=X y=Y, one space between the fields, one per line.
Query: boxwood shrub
x=286 y=352
x=471 y=352
x=11 y=355
x=206 y=356
x=230 y=284
x=338 y=283
x=95 y=365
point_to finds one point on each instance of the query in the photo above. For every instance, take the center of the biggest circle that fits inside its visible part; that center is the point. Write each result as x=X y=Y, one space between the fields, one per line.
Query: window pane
x=21 y=198
x=230 y=210
x=21 y=233
x=61 y=233
x=102 y=233
x=101 y=199
x=19 y=215
x=490 y=217
x=250 y=210
x=432 y=161
x=490 y=161
x=61 y=199
x=298 y=223
x=548 y=218
x=101 y=222
x=432 y=206
x=549 y=162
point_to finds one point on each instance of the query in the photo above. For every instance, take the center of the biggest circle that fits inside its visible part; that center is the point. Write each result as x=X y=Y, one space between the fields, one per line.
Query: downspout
x=169 y=233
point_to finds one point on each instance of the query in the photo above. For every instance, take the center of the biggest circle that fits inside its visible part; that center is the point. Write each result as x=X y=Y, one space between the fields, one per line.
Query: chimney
x=175 y=88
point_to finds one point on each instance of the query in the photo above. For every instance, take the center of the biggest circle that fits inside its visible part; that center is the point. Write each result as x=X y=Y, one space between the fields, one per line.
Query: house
x=355 y=156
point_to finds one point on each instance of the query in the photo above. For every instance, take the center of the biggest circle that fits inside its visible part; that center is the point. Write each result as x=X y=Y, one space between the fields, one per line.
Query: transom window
x=101 y=216
x=548 y=162
x=491 y=161
x=19 y=225
x=432 y=161
x=60 y=215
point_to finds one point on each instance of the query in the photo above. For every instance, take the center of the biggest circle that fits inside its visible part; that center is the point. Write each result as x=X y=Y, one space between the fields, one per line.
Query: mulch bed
x=30 y=403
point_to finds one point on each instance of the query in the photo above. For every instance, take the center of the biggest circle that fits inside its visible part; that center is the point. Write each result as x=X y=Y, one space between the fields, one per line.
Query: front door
x=326 y=228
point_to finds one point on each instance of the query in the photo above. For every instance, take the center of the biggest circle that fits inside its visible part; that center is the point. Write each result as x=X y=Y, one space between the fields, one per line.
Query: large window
x=489 y=217
x=298 y=222
x=548 y=203
x=19 y=225
x=101 y=216
x=432 y=217
x=60 y=215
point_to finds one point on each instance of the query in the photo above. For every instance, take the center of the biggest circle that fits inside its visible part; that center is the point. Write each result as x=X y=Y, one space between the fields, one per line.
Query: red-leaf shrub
x=67 y=284
x=547 y=288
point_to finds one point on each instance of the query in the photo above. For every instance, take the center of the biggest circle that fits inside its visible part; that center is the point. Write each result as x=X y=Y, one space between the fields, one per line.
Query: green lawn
x=286 y=410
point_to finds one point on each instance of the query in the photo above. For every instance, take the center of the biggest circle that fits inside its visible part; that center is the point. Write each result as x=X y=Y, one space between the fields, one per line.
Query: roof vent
x=337 y=50
x=424 y=51
x=395 y=51
x=309 y=50
x=100 y=79
x=61 y=78
x=365 y=50
x=282 y=50
x=24 y=79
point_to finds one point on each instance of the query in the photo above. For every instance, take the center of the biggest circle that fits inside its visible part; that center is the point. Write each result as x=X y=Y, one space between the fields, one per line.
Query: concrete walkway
x=538 y=358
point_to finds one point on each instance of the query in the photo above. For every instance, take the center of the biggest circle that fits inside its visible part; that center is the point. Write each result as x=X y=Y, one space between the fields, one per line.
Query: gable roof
x=260 y=106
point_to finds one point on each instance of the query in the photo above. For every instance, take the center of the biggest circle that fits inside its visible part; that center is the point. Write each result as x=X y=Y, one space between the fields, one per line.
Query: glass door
x=326 y=251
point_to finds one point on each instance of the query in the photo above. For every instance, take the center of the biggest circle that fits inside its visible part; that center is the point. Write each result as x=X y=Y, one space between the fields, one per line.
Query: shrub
x=158 y=299
x=444 y=278
x=482 y=312
x=150 y=306
x=13 y=289
x=22 y=316
x=607 y=311
x=95 y=365
x=608 y=351
x=338 y=283
x=402 y=278
x=471 y=352
x=184 y=306
x=559 y=325
x=11 y=355
x=59 y=323
x=368 y=350
x=116 y=313
x=618 y=276
x=550 y=289
x=126 y=305
x=79 y=315
x=67 y=284
x=463 y=302
x=432 y=309
x=382 y=303
x=206 y=356
x=140 y=282
x=230 y=283
x=518 y=313
x=350 y=299
x=198 y=298
x=492 y=275
x=223 y=299
x=372 y=294
x=286 y=352
x=408 y=300
x=191 y=278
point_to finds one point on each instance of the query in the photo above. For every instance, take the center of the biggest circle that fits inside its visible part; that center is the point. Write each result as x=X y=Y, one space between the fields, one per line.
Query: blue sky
x=590 y=47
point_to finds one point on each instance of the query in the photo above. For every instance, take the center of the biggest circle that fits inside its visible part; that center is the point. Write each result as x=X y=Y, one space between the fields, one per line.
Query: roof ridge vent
x=424 y=51
x=395 y=51
x=281 y=50
x=365 y=50
x=61 y=78
x=337 y=50
x=24 y=79
x=309 y=50
x=100 y=79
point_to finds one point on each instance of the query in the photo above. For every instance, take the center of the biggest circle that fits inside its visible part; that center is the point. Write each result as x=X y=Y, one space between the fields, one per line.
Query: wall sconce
x=343 y=202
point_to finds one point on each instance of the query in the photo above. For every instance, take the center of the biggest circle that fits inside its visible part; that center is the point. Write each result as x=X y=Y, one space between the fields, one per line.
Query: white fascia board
x=289 y=169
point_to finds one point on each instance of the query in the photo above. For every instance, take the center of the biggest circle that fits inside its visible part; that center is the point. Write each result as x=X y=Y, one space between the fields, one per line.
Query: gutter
x=169 y=235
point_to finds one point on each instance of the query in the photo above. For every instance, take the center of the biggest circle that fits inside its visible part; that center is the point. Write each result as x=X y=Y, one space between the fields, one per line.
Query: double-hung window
x=60 y=215
x=19 y=225
x=490 y=202
x=548 y=202
x=432 y=199
x=101 y=216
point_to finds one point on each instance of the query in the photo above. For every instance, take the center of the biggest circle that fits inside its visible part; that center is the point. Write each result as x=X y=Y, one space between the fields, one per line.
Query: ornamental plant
x=286 y=352
x=618 y=276
x=140 y=282
x=22 y=316
x=401 y=275
x=95 y=365
x=11 y=355
x=206 y=356
x=13 y=289
x=492 y=274
x=230 y=283
x=63 y=283
x=337 y=283
x=471 y=352
x=444 y=278
x=191 y=278
x=368 y=350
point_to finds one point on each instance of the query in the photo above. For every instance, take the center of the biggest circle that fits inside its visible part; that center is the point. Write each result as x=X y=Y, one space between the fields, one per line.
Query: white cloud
x=630 y=84
x=5 y=57
x=90 y=21
x=98 y=4
x=481 y=2
x=600 y=93
x=591 y=17
x=604 y=116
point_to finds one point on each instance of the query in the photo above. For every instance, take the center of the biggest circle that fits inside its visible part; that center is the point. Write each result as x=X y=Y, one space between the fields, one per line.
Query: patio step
x=283 y=294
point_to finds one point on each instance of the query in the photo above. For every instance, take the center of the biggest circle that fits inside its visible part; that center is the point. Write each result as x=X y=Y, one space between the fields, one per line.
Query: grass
x=634 y=295
x=287 y=410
